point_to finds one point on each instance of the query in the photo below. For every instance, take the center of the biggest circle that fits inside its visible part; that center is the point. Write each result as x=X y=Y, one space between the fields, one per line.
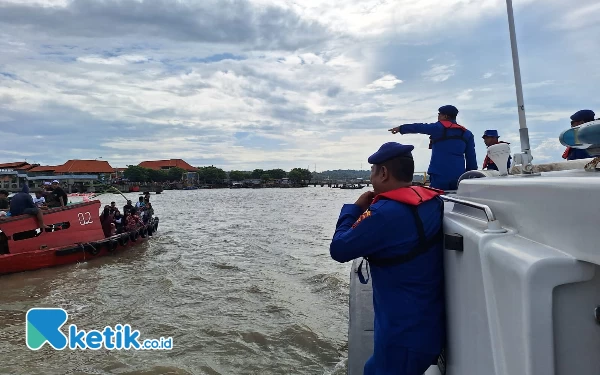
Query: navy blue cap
x=449 y=110
x=390 y=150
x=491 y=133
x=583 y=115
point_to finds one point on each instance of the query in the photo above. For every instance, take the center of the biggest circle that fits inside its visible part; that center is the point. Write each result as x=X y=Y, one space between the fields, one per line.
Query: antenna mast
x=525 y=157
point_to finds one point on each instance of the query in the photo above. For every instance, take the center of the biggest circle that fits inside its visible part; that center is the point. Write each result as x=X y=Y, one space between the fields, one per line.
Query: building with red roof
x=164 y=165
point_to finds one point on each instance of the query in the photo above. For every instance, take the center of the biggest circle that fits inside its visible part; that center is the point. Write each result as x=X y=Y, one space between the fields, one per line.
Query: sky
x=245 y=84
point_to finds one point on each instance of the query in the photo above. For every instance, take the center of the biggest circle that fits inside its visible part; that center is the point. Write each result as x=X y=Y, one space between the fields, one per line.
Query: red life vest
x=565 y=154
x=413 y=196
x=449 y=125
x=487 y=161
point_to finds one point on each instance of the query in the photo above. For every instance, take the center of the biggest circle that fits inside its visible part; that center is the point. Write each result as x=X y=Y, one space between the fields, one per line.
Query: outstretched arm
x=417 y=128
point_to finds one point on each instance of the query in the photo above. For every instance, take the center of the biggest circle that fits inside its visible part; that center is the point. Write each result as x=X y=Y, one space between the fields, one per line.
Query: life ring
x=93 y=249
x=123 y=240
x=111 y=246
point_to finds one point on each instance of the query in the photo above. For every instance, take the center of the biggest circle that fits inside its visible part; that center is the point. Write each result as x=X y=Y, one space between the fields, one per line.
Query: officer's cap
x=583 y=115
x=390 y=150
x=449 y=110
x=491 y=133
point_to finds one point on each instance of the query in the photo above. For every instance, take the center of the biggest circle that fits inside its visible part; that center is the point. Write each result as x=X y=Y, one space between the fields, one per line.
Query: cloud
x=279 y=83
x=439 y=73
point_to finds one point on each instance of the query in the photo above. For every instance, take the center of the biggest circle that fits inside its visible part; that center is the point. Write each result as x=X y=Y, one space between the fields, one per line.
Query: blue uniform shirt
x=21 y=201
x=577 y=153
x=408 y=298
x=447 y=157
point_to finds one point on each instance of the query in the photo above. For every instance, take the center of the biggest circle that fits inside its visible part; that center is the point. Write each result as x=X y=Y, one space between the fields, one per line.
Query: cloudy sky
x=244 y=84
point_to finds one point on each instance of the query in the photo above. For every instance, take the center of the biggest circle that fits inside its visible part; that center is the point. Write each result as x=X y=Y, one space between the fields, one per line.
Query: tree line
x=215 y=175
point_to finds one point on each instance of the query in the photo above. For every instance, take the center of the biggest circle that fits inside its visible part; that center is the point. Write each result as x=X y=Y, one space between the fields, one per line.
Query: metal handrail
x=493 y=224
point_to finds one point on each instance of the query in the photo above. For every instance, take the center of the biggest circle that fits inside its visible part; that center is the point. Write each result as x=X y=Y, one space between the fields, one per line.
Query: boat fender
x=93 y=248
x=150 y=228
x=111 y=246
x=156 y=224
x=124 y=239
x=133 y=236
x=142 y=232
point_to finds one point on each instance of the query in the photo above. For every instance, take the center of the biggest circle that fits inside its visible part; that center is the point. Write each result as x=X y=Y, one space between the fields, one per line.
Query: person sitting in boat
x=128 y=207
x=59 y=193
x=398 y=228
x=451 y=145
x=4 y=202
x=579 y=118
x=51 y=199
x=148 y=213
x=133 y=221
x=140 y=203
x=107 y=218
x=490 y=138
x=114 y=209
x=22 y=204
x=39 y=199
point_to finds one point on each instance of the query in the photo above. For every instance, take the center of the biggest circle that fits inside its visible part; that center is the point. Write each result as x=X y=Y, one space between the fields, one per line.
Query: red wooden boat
x=75 y=235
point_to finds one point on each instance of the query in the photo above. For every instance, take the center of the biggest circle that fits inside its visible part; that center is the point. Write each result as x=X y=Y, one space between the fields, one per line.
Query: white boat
x=522 y=265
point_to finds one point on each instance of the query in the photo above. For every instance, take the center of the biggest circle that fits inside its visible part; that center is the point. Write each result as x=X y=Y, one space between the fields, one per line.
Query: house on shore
x=73 y=175
x=165 y=165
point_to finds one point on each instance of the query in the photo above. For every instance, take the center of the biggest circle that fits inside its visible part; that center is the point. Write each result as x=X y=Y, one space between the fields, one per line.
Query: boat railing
x=493 y=225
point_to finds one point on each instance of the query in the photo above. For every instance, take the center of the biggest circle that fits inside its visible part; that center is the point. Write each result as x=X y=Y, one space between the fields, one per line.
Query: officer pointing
x=398 y=229
x=451 y=145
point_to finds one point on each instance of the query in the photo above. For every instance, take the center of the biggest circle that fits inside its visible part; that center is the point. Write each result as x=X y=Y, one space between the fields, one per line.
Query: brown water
x=241 y=279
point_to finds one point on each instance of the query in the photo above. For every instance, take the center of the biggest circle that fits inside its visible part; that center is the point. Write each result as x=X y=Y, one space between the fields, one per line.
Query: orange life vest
x=413 y=196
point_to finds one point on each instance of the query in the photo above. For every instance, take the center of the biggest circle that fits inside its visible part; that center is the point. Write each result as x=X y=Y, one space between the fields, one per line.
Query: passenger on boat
x=107 y=221
x=140 y=203
x=397 y=228
x=39 y=200
x=451 y=145
x=114 y=209
x=4 y=202
x=51 y=199
x=133 y=220
x=579 y=118
x=59 y=193
x=148 y=213
x=490 y=138
x=128 y=207
x=22 y=204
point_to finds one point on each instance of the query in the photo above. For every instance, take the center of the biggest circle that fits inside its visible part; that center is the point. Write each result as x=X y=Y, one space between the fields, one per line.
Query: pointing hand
x=394 y=130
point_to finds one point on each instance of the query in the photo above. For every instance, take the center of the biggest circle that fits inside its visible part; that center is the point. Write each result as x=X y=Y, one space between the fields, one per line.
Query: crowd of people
x=133 y=217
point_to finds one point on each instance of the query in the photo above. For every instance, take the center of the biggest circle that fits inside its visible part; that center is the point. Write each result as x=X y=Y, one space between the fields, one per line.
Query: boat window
x=25 y=235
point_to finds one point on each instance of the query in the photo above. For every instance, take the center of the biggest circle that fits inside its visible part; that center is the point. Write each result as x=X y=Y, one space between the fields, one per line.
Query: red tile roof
x=17 y=164
x=42 y=168
x=85 y=166
x=171 y=163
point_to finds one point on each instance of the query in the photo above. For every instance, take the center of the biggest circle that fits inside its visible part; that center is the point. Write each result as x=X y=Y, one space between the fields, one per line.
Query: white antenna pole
x=525 y=158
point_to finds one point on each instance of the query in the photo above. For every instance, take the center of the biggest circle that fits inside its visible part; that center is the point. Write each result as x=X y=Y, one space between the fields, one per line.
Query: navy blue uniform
x=575 y=154
x=408 y=298
x=447 y=156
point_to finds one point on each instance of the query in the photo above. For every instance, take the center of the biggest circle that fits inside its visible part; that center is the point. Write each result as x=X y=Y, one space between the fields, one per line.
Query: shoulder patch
x=365 y=215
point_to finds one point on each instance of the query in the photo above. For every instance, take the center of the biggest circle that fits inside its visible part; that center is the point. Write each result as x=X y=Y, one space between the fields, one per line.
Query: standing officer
x=398 y=229
x=450 y=145
x=490 y=138
x=579 y=118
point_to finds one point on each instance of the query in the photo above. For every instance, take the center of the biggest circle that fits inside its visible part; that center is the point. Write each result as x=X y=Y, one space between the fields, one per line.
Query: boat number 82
x=85 y=218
